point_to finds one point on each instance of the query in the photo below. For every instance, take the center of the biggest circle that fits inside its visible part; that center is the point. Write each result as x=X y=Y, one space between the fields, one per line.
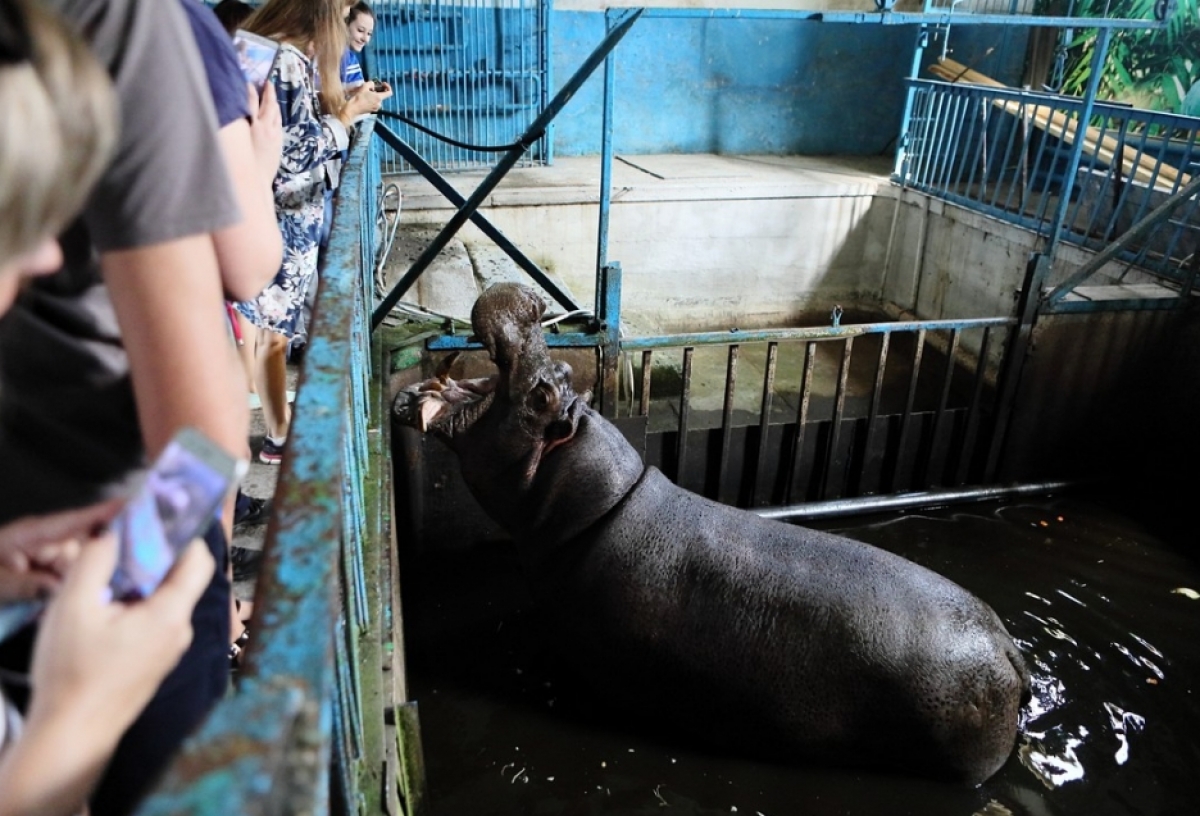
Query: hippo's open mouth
x=444 y=405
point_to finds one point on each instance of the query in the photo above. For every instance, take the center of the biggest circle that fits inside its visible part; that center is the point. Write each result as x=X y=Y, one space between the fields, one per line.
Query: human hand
x=36 y=551
x=266 y=129
x=100 y=662
x=366 y=99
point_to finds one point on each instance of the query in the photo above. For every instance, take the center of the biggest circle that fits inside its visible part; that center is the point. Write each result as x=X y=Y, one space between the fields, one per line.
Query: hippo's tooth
x=427 y=413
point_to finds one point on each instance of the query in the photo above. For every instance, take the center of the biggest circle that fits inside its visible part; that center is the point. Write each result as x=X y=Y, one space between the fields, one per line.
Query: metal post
x=531 y=135
x=606 y=157
x=1038 y=271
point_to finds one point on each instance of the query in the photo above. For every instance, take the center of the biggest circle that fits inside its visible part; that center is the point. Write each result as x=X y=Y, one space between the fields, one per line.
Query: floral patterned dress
x=309 y=140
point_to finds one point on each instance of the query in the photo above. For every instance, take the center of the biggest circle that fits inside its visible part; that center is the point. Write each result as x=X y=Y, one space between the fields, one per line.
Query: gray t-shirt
x=68 y=424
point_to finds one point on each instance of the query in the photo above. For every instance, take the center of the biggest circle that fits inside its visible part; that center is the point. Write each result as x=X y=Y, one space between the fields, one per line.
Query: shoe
x=237 y=651
x=250 y=511
x=271 y=452
x=245 y=563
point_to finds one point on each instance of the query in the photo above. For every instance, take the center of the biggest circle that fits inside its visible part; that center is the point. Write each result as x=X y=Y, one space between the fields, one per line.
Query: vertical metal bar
x=906 y=418
x=810 y=353
x=873 y=410
x=832 y=460
x=939 y=418
x=1003 y=183
x=606 y=155
x=970 y=143
x=644 y=403
x=1021 y=171
x=972 y=425
x=1103 y=36
x=727 y=418
x=685 y=410
x=953 y=135
x=764 y=418
x=546 y=72
x=610 y=332
x=1037 y=272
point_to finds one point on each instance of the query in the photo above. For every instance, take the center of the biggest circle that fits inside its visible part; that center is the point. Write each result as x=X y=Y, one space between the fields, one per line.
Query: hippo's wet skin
x=761 y=636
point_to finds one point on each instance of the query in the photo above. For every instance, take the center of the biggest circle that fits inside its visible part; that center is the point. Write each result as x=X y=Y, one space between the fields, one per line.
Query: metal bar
x=644 y=403
x=839 y=410
x=873 y=410
x=807 y=333
x=531 y=134
x=610 y=338
x=606 y=155
x=906 y=419
x=943 y=403
x=908 y=501
x=764 y=418
x=972 y=426
x=1136 y=232
x=727 y=418
x=810 y=353
x=685 y=409
x=936 y=18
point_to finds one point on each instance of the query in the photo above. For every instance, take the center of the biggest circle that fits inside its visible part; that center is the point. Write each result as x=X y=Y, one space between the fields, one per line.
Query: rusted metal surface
x=310 y=698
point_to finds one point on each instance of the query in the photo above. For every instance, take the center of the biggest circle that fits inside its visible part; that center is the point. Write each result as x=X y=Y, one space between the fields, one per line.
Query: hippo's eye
x=544 y=397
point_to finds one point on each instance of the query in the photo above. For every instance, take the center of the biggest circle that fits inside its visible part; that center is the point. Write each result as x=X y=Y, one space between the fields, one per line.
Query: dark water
x=1104 y=610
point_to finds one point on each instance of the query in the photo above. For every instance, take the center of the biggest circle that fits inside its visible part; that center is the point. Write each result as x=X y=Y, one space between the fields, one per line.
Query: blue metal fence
x=473 y=70
x=1008 y=153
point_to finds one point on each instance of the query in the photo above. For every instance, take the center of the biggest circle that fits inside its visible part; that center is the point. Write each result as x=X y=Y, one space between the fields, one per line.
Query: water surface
x=1107 y=614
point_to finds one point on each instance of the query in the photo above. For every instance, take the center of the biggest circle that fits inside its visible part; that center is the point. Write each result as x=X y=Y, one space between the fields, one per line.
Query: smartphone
x=179 y=498
x=257 y=55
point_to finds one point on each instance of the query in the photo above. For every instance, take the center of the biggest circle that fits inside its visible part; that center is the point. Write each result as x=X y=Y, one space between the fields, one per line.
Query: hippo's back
x=792 y=641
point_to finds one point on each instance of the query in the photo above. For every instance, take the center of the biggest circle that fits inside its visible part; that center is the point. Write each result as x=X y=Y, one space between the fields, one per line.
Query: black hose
x=455 y=142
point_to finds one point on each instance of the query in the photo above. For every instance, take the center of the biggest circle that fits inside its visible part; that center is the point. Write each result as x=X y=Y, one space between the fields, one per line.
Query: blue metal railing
x=1006 y=153
x=307 y=728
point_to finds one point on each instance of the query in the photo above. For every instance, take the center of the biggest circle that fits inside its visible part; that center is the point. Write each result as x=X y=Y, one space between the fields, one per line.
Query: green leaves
x=1149 y=68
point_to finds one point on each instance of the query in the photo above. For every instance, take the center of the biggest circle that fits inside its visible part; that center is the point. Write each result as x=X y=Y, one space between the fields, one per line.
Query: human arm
x=95 y=666
x=36 y=551
x=251 y=251
x=169 y=303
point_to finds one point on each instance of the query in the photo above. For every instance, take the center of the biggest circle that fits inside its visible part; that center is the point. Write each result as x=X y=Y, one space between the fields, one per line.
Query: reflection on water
x=1106 y=615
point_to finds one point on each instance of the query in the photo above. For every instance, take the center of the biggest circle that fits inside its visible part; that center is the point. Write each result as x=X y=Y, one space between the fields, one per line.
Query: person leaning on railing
x=96 y=664
x=104 y=361
x=317 y=117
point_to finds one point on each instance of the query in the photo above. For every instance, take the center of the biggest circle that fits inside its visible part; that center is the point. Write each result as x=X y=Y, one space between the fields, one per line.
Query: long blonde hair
x=316 y=24
x=58 y=128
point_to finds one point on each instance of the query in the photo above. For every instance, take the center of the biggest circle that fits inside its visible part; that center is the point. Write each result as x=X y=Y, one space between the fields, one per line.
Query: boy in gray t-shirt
x=103 y=361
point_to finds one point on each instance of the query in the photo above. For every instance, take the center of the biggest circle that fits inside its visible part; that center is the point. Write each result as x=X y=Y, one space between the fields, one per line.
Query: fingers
x=89 y=577
x=268 y=105
x=26 y=586
x=57 y=527
x=186 y=581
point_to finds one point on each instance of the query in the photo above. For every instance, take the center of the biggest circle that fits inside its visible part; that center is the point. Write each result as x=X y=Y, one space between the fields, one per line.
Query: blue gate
x=475 y=71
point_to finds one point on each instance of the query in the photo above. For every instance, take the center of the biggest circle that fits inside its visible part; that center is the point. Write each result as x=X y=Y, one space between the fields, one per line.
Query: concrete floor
x=260 y=482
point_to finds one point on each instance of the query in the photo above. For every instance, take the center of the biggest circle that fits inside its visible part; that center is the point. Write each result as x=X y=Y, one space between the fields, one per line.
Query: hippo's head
x=520 y=414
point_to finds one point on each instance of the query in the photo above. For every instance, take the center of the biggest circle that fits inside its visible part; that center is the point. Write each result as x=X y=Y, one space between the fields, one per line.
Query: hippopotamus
x=758 y=636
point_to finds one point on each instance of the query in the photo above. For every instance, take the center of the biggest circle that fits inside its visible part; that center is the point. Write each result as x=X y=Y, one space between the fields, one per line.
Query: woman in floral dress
x=317 y=117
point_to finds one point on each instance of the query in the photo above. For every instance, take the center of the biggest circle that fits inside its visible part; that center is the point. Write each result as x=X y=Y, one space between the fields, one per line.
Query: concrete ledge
x=661 y=178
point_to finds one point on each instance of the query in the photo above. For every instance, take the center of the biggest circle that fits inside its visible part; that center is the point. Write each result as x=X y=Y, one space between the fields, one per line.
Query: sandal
x=237 y=650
